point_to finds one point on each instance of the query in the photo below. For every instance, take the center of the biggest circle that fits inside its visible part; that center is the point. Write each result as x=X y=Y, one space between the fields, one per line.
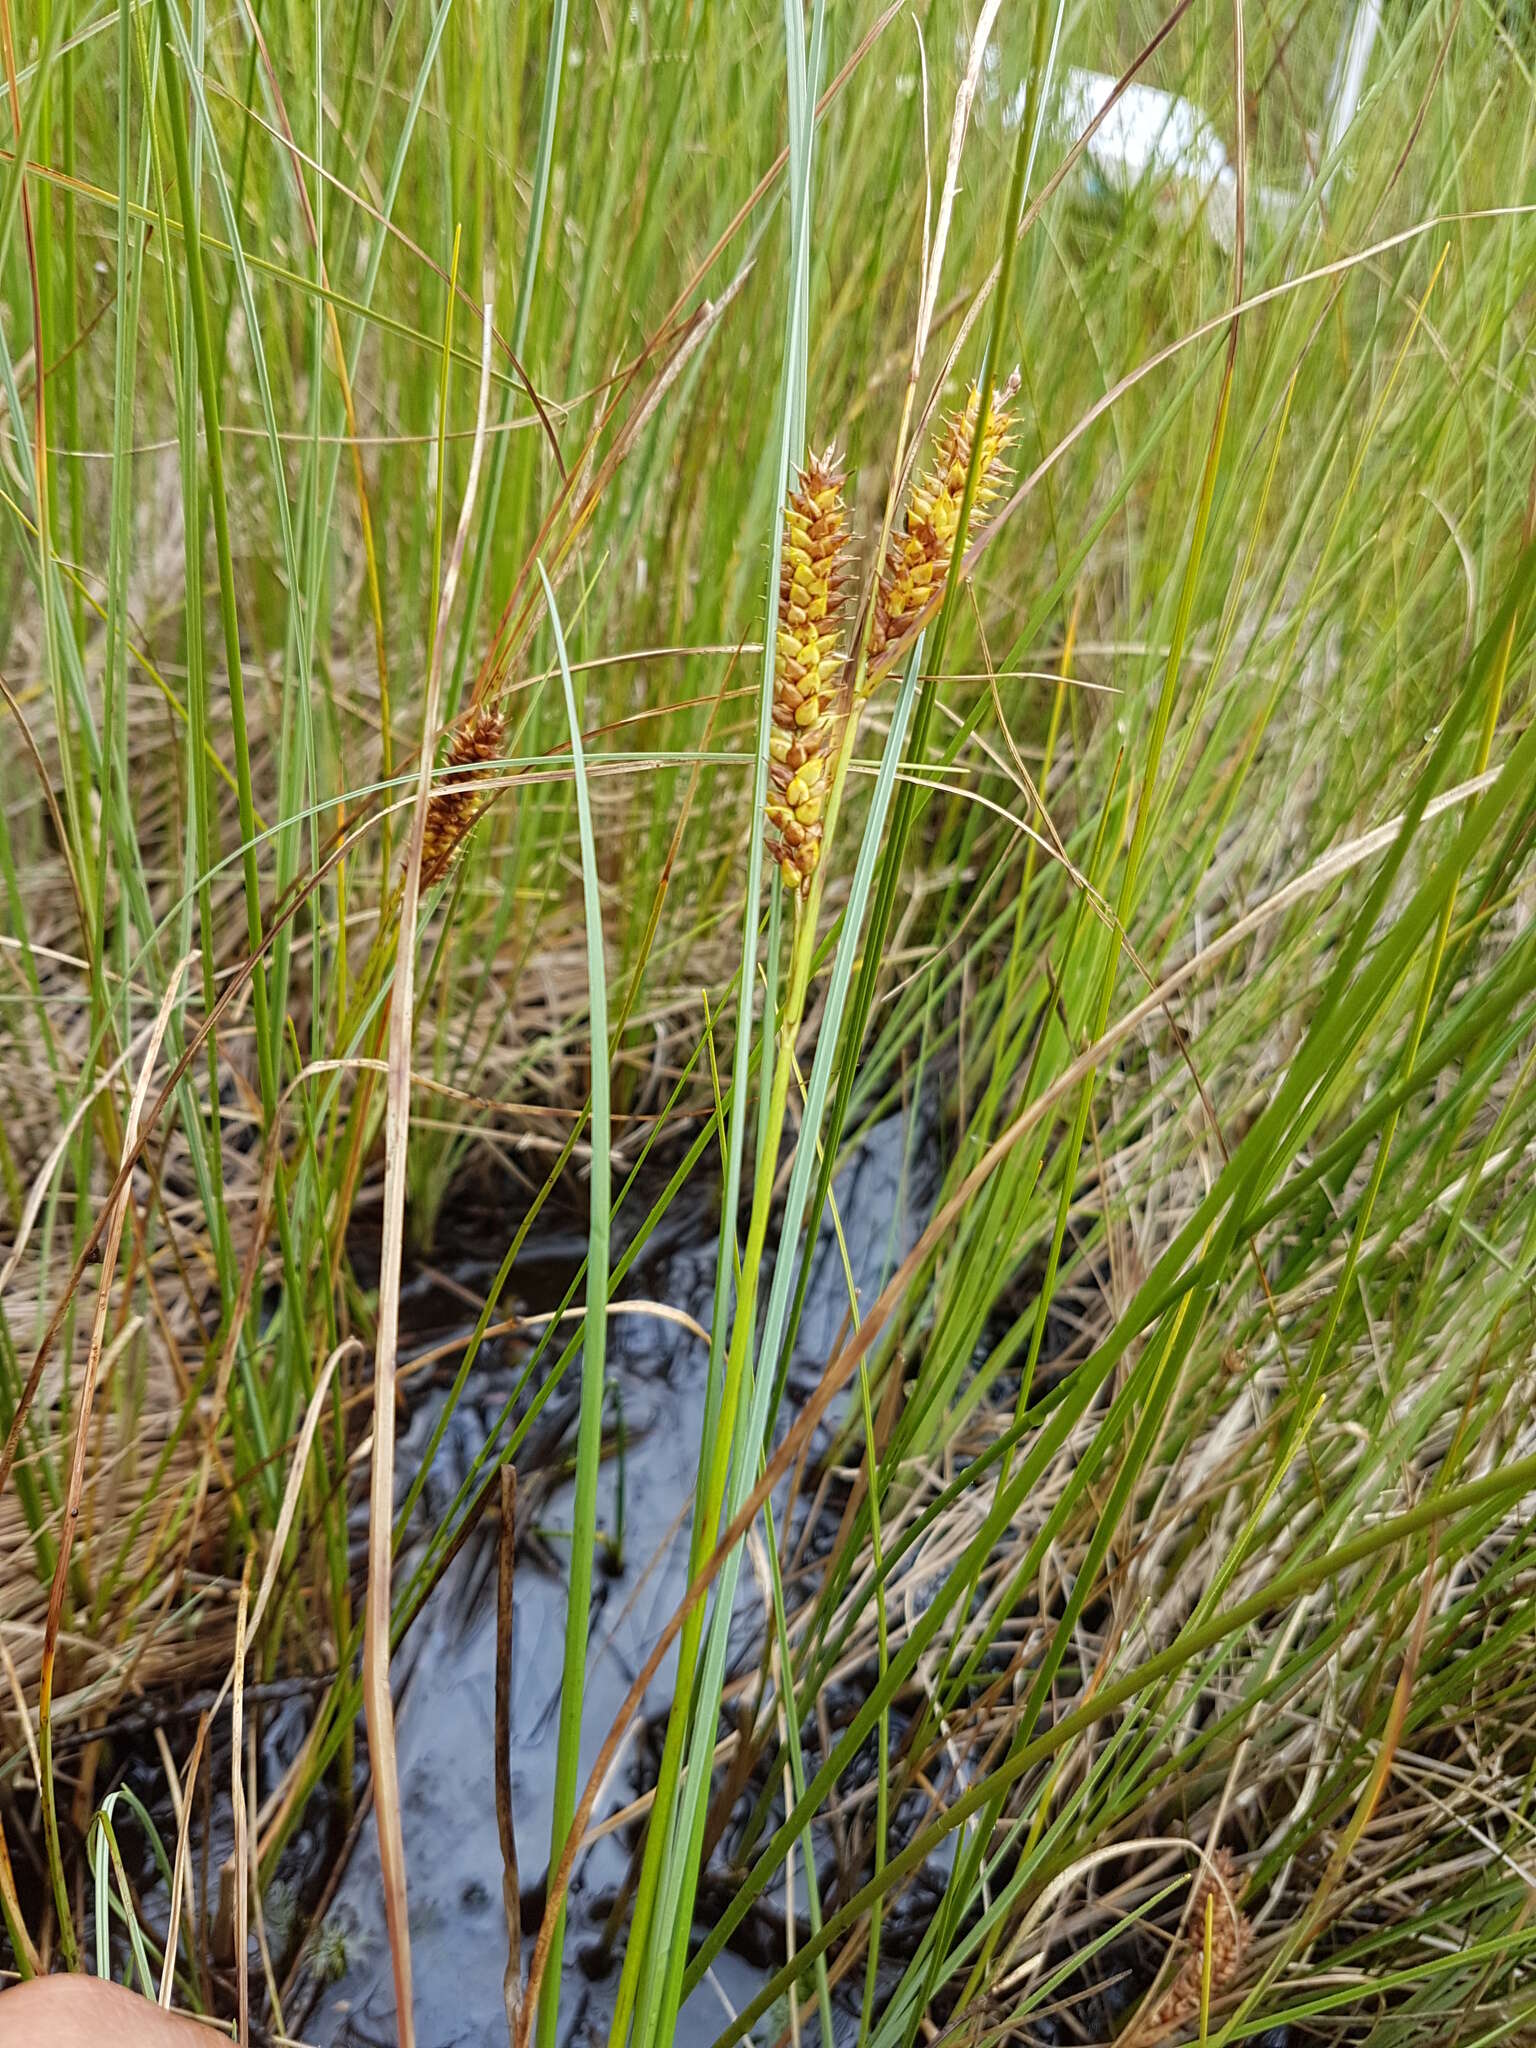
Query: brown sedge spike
x=1230 y=1933
x=802 y=739
x=455 y=808
x=917 y=560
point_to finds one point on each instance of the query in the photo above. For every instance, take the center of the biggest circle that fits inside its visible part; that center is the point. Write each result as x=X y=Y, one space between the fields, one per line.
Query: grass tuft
x=403 y=649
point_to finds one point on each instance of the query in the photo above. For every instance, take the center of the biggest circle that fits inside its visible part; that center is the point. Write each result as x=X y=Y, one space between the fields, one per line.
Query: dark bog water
x=445 y=1675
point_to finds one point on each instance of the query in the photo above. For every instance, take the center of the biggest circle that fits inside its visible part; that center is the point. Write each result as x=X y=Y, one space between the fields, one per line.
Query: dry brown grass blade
x=87 y=1397
x=29 y=1738
x=511 y=1891
x=23 y=1712
x=296 y=1472
x=32 y=1963
x=241 y=1859
x=179 y=1866
x=252 y=1890
x=378 y=1706
x=37 y=1193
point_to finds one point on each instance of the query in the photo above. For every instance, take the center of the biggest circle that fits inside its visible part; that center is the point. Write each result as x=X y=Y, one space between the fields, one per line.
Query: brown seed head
x=917 y=560
x=1180 y=2003
x=807 y=667
x=455 y=806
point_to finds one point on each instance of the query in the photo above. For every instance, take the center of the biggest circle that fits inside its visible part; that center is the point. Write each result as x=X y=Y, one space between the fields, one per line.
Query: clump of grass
x=1190 y=1461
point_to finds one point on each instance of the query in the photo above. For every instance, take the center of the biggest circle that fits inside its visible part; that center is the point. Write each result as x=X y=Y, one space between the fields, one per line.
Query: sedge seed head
x=1230 y=1934
x=456 y=806
x=807 y=667
x=917 y=560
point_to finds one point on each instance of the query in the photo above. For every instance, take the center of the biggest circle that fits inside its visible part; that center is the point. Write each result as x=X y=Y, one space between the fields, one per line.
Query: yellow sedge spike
x=807 y=668
x=917 y=560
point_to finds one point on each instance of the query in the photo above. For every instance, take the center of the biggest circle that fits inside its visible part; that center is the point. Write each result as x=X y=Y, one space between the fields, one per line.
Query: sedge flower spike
x=807 y=668
x=917 y=560
x=455 y=808
x=1231 y=1935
